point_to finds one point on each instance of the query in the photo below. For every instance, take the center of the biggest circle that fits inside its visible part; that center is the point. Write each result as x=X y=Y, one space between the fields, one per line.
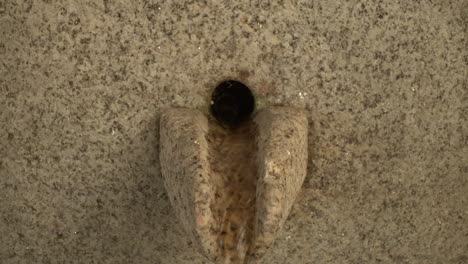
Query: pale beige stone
x=233 y=189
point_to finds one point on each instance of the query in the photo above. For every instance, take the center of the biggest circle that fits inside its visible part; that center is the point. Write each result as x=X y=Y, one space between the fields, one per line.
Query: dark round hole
x=232 y=103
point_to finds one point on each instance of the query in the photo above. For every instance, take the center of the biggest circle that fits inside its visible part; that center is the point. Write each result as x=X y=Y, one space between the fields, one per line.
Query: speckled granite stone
x=384 y=83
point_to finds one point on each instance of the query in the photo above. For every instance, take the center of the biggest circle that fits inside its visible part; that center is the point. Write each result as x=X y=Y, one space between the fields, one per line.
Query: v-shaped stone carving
x=233 y=189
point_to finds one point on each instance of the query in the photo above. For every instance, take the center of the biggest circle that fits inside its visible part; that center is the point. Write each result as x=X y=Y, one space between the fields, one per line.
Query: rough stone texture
x=186 y=172
x=282 y=154
x=384 y=83
x=232 y=189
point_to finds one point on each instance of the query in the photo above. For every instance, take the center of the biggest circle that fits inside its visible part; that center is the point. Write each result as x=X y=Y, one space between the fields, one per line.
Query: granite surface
x=384 y=83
